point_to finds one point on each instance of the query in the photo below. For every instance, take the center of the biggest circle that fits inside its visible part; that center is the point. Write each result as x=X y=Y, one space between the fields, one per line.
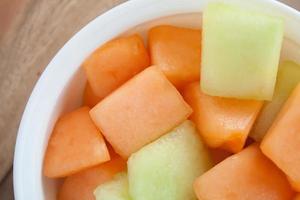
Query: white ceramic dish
x=60 y=87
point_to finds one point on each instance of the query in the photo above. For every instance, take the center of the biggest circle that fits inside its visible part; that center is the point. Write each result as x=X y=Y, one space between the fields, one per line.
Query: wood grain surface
x=31 y=32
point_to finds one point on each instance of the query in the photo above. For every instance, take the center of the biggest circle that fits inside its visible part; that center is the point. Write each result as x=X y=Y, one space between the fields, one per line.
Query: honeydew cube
x=240 y=52
x=166 y=168
x=116 y=189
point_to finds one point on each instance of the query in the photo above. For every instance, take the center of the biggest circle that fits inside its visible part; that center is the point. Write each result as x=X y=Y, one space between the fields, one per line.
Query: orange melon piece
x=247 y=175
x=177 y=51
x=140 y=111
x=82 y=185
x=282 y=141
x=75 y=144
x=114 y=63
x=90 y=99
x=222 y=122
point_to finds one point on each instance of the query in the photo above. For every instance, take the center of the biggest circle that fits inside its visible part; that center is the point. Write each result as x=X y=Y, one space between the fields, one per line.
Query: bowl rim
x=27 y=177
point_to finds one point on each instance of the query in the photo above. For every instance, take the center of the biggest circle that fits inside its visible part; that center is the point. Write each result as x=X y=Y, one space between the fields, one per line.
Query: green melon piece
x=287 y=79
x=166 y=168
x=240 y=52
x=116 y=189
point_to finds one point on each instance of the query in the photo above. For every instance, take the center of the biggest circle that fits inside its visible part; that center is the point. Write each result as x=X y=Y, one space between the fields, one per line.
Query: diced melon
x=116 y=189
x=75 y=144
x=177 y=52
x=143 y=109
x=82 y=185
x=222 y=122
x=114 y=63
x=166 y=168
x=287 y=79
x=240 y=52
x=247 y=175
x=282 y=141
x=90 y=99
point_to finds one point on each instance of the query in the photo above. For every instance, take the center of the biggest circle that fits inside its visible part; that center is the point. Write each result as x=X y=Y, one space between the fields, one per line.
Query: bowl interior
x=28 y=179
x=192 y=20
x=72 y=95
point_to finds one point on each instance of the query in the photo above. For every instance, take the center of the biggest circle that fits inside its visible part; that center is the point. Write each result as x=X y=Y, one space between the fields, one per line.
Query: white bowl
x=60 y=87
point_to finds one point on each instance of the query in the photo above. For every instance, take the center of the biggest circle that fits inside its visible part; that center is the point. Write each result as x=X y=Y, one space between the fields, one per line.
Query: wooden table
x=31 y=32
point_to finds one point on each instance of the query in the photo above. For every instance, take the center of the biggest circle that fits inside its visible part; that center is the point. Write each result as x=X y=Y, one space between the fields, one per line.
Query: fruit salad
x=207 y=114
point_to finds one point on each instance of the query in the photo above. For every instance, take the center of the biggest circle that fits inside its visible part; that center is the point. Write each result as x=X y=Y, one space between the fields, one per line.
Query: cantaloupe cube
x=114 y=63
x=82 y=185
x=90 y=99
x=222 y=122
x=140 y=111
x=75 y=144
x=287 y=79
x=177 y=52
x=116 y=189
x=166 y=168
x=240 y=52
x=282 y=141
x=247 y=175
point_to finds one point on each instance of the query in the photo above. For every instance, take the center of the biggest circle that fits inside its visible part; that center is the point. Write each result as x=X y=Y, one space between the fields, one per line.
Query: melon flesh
x=247 y=175
x=166 y=168
x=75 y=144
x=116 y=189
x=90 y=99
x=114 y=63
x=177 y=52
x=82 y=185
x=222 y=122
x=282 y=141
x=143 y=109
x=241 y=63
x=287 y=79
